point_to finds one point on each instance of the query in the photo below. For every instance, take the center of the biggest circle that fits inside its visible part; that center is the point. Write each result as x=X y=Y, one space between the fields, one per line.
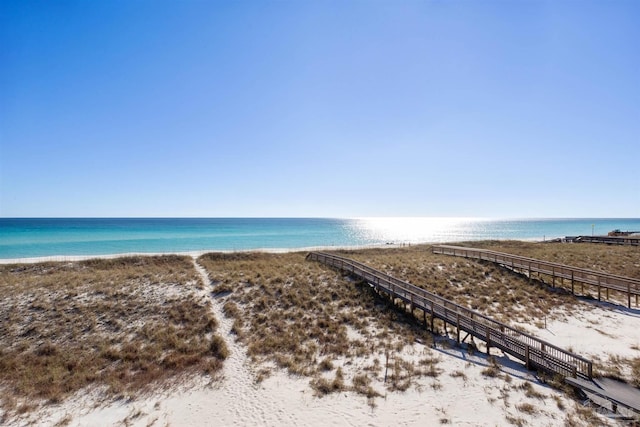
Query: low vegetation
x=130 y=324
x=483 y=287
x=507 y=296
x=127 y=324
x=621 y=260
x=310 y=320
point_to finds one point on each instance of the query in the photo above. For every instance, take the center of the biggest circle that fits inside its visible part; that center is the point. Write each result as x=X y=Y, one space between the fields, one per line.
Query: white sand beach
x=461 y=392
x=466 y=388
x=461 y=395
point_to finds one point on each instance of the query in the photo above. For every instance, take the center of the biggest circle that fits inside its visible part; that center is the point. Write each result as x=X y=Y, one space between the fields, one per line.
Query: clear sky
x=320 y=108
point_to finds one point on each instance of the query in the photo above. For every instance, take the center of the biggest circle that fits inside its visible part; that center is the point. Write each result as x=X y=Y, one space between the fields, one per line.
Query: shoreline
x=194 y=254
x=197 y=253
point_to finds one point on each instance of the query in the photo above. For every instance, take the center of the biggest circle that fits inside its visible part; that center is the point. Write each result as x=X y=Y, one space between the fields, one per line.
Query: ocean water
x=42 y=237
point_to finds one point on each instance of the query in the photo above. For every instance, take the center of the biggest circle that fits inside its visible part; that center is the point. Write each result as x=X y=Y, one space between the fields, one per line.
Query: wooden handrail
x=533 y=351
x=602 y=280
x=609 y=240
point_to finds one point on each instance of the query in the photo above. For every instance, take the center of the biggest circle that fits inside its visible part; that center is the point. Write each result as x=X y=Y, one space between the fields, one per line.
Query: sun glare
x=416 y=229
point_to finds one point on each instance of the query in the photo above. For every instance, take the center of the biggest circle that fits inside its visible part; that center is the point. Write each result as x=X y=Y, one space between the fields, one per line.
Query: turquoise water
x=26 y=237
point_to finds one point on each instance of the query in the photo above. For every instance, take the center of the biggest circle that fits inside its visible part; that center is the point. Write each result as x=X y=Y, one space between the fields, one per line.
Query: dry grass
x=582 y=415
x=621 y=260
x=493 y=368
x=483 y=287
x=504 y=295
x=312 y=321
x=530 y=391
x=495 y=291
x=300 y=315
x=527 y=408
x=635 y=371
x=127 y=324
x=131 y=323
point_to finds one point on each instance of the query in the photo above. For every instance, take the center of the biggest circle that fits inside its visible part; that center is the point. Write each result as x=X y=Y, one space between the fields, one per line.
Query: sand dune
x=465 y=388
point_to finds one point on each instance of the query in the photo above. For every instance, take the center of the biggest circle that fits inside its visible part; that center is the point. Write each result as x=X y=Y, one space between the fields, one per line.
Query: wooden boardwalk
x=557 y=272
x=609 y=240
x=534 y=352
x=617 y=393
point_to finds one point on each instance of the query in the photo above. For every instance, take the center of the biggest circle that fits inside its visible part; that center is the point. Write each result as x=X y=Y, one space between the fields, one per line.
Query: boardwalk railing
x=598 y=279
x=536 y=353
x=609 y=240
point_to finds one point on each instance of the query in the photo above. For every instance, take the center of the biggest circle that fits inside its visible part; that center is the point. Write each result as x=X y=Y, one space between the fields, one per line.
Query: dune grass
x=291 y=309
x=484 y=287
x=132 y=323
x=614 y=259
x=302 y=316
x=127 y=324
x=306 y=318
x=507 y=296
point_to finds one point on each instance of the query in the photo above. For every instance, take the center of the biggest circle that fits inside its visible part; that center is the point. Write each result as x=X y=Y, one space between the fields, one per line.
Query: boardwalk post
x=598 y=288
x=488 y=339
x=629 y=295
x=432 y=316
x=526 y=358
x=412 y=306
x=572 y=291
x=458 y=327
x=553 y=274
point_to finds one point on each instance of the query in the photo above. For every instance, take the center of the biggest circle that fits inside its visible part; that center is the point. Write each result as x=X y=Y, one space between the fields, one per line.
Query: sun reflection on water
x=417 y=229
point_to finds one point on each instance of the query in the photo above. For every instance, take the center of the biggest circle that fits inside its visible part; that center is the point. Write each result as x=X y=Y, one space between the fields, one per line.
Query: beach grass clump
x=581 y=416
x=493 y=368
x=625 y=369
x=323 y=386
x=530 y=391
x=127 y=324
x=516 y=421
x=635 y=371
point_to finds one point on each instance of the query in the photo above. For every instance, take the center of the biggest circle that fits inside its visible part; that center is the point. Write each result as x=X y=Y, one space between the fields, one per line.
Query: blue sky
x=320 y=108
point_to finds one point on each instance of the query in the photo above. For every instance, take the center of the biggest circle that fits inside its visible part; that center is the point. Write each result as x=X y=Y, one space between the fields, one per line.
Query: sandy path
x=245 y=401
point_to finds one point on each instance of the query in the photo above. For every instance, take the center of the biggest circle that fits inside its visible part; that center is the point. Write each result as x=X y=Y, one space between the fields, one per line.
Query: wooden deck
x=558 y=273
x=534 y=352
x=609 y=240
x=618 y=394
